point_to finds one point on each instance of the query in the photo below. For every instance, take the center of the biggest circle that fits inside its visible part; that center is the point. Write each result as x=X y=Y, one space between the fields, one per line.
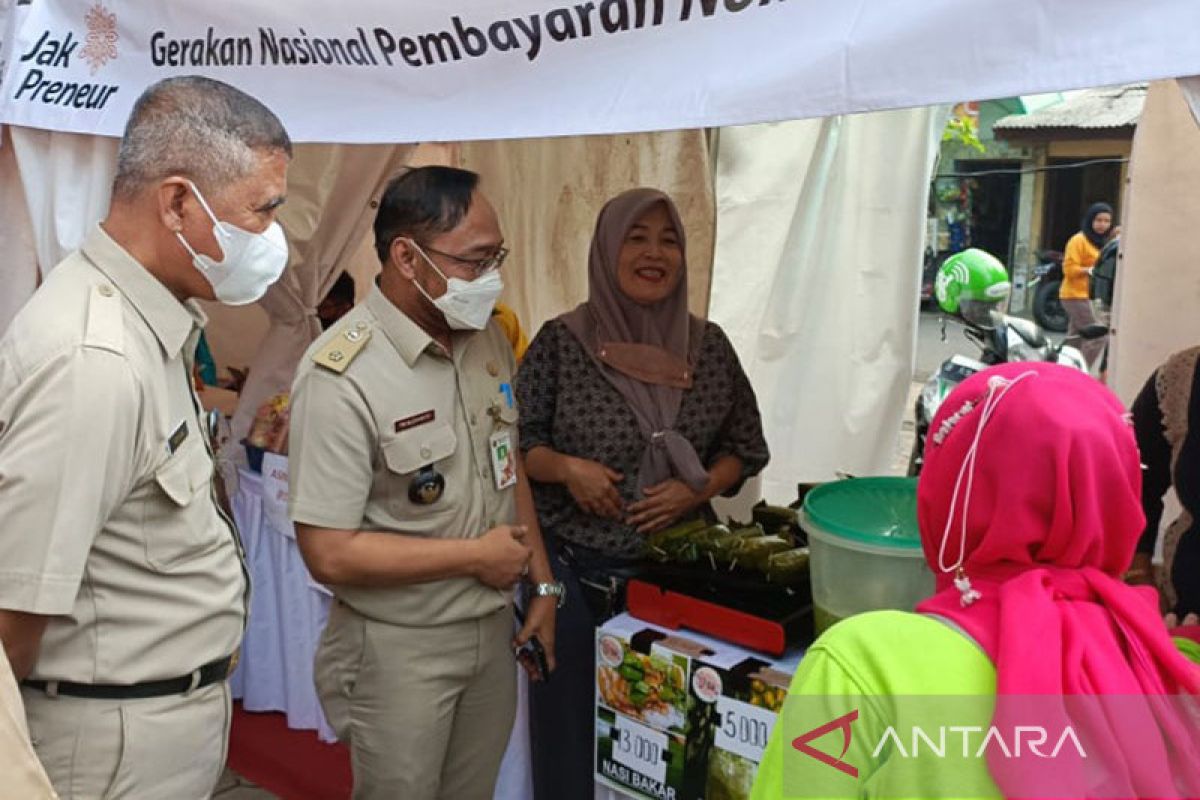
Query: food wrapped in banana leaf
x=779 y=520
x=691 y=548
x=666 y=545
x=702 y=539
x=754 y=553
x=679 y=531
x=789 y=567
x=721 y=547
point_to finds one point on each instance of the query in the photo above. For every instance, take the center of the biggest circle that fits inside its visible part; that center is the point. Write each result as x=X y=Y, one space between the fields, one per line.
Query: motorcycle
x=1047 y=280
x=1009 y=339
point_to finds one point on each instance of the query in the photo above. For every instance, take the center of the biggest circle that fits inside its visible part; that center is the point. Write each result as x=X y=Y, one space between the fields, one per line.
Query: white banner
x=387 y=71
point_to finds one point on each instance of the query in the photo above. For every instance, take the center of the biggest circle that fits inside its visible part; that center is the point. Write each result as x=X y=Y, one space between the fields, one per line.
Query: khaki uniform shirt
x=108 y=521
x=388 y=403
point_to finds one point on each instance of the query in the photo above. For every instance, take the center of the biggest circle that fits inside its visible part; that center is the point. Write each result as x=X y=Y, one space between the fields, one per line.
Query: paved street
x=932 y=351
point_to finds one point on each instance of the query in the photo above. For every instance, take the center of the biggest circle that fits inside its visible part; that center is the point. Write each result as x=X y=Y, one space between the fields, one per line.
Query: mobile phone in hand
x=531 y=655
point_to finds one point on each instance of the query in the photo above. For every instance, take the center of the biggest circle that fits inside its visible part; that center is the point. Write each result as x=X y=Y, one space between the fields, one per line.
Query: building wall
x=1024 y=251
x=1098 y=148
x=1158 y=283
x=990 y=112
x=1037 y=215
x=1091 y=148
x=1030 y=225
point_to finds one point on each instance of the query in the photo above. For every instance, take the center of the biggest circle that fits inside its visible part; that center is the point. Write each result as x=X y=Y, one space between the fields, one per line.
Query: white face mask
x=250 y=262
x=467 y=305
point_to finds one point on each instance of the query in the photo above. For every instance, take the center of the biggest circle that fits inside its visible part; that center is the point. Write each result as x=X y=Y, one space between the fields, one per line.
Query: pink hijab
x=1052 y=520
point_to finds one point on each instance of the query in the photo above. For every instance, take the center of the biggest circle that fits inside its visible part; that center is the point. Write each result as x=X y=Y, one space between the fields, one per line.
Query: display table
x=287 y=608
x=287 y=614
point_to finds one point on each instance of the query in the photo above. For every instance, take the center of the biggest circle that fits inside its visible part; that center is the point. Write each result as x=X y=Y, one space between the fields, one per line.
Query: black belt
x=210 y=673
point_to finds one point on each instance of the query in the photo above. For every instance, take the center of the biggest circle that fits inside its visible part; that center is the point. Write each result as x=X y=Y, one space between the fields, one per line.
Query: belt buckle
x=233 y=662
x=194 y=682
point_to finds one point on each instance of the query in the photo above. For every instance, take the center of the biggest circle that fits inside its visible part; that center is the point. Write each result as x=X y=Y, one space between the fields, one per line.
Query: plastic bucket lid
x=878 y=512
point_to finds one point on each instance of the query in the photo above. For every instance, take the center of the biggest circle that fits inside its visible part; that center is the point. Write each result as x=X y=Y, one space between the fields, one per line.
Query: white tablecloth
x=287 y=614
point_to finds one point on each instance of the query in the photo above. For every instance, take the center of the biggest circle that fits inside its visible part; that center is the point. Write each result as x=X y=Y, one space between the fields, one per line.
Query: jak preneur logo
x=100 y=47
x=49 y=73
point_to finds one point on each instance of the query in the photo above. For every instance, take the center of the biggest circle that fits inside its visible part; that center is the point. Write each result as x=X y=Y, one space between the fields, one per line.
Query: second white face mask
x=467 y=305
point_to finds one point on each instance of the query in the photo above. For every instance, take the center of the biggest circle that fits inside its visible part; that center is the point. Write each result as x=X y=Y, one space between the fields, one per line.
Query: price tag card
x=275 y=491
x=744 y=729
x=641 y=749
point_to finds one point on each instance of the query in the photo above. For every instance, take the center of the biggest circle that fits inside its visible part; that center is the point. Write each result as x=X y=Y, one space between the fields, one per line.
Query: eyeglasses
x=477 y=265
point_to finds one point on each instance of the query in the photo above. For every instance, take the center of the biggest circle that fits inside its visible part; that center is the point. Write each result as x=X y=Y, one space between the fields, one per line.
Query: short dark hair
x=421 y=203
x=198 y=128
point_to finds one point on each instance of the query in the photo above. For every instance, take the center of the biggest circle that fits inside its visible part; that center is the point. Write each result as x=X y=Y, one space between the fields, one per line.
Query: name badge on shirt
x=177 y=437
x=504 y=460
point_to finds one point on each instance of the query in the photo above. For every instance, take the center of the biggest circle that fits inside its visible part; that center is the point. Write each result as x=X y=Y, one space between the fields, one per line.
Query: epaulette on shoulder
x=105 y=319
x=343 y=348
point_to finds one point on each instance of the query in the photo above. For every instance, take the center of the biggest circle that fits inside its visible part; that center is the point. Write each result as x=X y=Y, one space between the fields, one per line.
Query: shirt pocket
x=406 y=455
x=179 y=518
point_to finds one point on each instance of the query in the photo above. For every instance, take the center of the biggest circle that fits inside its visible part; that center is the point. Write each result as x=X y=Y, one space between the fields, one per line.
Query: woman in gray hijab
x=634 y=415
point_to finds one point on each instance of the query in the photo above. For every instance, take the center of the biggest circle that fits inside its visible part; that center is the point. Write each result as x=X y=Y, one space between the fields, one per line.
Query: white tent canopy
x=817 y=224
x=805 y=237
x=495 y=69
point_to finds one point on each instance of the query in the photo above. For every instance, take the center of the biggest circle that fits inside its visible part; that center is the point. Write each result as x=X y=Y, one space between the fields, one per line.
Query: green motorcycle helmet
x=974 y=285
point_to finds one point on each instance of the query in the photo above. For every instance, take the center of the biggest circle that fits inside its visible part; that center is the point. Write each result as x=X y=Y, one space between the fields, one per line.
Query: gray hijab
x=648 y=353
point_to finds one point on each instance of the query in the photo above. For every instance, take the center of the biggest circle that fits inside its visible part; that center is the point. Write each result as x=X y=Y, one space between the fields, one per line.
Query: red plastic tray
x=674 y=611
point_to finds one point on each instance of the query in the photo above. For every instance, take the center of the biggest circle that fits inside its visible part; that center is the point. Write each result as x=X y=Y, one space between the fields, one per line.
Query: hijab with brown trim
x=648 y=353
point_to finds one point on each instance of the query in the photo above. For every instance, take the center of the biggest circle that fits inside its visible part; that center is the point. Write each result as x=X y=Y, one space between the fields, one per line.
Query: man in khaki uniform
x=24 y=777
x=405 y=489
x=122 y=593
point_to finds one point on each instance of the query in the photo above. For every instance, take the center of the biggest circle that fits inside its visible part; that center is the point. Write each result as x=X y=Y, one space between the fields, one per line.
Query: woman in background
x=1080 y=255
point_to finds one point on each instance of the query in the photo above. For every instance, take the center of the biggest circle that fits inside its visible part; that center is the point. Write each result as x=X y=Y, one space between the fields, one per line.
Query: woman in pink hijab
x=1029 y=517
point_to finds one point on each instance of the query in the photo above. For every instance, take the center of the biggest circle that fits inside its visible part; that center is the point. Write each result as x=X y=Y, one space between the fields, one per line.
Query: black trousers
x=562 y=712
x=1185 y=573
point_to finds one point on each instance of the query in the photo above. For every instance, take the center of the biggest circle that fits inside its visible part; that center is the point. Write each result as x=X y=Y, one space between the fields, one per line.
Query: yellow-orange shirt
x=511 y=325
x=1080 y=255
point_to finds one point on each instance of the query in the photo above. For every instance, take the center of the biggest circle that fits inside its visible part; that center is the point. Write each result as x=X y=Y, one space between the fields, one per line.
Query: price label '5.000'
x=744 y=729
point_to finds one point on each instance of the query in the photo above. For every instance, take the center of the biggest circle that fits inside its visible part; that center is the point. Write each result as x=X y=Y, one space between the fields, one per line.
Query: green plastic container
x=865 y=548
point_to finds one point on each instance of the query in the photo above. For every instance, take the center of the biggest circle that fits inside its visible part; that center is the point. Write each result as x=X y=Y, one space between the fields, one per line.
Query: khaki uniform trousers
x=172 y=748
x=427 y=711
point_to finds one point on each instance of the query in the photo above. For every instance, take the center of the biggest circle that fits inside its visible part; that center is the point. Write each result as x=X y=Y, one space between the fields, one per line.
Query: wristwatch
x=556 y=590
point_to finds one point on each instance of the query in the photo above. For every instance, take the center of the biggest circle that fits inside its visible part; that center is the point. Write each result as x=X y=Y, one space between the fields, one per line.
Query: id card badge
x=504 y=460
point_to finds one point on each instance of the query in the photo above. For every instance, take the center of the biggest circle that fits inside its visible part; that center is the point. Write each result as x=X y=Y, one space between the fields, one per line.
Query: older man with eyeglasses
x=410 y=503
